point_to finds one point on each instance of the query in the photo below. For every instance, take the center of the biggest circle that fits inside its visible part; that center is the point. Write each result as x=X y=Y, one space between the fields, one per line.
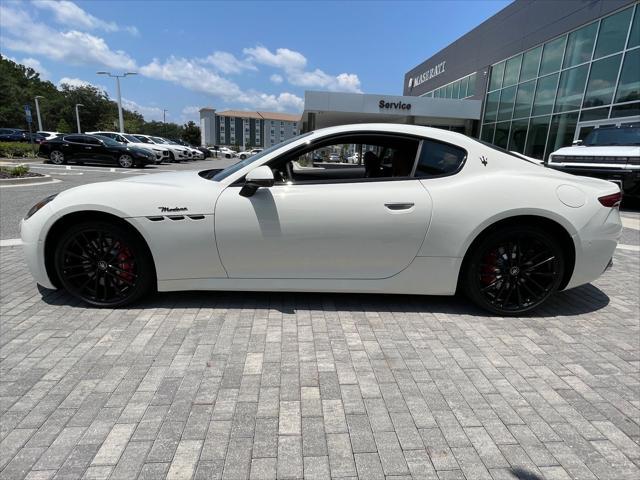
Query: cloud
x=73 y=47
x=275 y=78
x=77 y=82
x=148 y=112
x=69 y=14
x=36 y=65
x=190 y=112
x=226 y=62
x=293 y=64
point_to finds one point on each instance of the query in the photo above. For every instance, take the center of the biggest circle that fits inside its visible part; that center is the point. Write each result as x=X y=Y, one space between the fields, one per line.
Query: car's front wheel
x=513 y=270
x=103 y=264
x=57 y=157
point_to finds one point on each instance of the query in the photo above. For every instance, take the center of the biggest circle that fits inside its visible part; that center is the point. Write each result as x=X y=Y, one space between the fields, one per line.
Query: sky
x=240 y=55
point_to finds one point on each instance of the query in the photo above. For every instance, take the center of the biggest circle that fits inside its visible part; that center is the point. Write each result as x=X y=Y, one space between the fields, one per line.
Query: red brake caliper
x=489 y=267
x=125 y=263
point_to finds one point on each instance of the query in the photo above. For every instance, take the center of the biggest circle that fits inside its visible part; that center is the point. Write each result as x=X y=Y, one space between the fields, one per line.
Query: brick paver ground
x=245 y=385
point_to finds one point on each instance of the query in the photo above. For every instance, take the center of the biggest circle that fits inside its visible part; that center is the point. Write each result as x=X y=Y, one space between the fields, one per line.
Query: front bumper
x=33 y=247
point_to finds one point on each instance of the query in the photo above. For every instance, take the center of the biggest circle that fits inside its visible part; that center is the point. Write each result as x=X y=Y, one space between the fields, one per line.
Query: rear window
x=437 y=158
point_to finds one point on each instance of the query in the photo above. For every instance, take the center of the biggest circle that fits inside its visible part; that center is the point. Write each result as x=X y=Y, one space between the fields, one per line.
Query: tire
x=57 y=157
x=172 y=157
x=125 y=161
x=516 y=283
x=242 y=157
x=103 y=264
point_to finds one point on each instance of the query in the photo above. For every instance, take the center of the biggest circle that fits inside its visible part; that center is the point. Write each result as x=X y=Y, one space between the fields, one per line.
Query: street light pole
x=118 y=77
x=38 y=113
x=164 y=122
x=78 y=116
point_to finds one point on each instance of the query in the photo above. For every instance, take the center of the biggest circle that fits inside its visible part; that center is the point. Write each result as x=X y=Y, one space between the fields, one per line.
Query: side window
x=349 y=158
x=90 y=140
x=73 y=138
x=437 y=158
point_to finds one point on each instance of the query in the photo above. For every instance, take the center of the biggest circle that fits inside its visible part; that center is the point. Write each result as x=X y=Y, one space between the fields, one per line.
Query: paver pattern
x=245 y=385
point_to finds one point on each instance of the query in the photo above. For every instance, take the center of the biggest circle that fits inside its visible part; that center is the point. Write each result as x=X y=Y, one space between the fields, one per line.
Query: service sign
x=27 y=113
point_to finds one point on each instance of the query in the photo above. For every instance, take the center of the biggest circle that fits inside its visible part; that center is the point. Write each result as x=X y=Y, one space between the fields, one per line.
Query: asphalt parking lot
x=256 y=385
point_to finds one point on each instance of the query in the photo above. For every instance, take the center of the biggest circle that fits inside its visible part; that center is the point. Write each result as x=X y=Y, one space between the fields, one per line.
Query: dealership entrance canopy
x=326 y=109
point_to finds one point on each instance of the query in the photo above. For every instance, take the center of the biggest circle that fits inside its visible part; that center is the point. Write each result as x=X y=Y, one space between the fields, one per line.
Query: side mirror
x=259 y=177
x=576 y=142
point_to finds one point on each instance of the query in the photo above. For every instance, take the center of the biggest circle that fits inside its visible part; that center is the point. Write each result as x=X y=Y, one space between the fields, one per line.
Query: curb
x=6 y=182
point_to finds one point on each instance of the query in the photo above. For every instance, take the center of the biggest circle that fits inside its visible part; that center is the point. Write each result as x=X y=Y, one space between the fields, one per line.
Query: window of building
x=456 y=90
x=524 y=98
x=625 y=110
x=471 y=89
x=545 y=93
x=602 y=82
x=613 y=33
x=634 y=36
x=629 y=85
x=512 y=71
x=450 y=91
x=506 y=103
x=537 y=136
x=594 y=114
x=518 y=135
x=530 y=63
x=552 y=56
x=501 y=138
x=580 y=45
x=464 y=83
x=562 y=129
x=571 y=89
x=497 y=71
x=491 y=106
x=487 y=132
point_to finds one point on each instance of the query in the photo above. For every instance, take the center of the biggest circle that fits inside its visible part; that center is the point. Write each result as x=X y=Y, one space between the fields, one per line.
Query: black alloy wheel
x=514 y=270
x=103 y=264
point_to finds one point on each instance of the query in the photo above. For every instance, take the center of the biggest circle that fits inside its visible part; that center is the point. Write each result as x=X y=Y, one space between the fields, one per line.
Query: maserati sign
x=427 y=75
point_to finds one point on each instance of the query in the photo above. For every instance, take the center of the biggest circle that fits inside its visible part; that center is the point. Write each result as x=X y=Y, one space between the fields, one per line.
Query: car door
x=360 y=230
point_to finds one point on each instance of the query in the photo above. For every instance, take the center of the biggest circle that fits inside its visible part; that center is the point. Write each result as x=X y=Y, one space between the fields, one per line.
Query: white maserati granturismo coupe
x=427 y=211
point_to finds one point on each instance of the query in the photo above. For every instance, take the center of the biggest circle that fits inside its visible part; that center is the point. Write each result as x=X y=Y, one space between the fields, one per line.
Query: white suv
x=611 y=153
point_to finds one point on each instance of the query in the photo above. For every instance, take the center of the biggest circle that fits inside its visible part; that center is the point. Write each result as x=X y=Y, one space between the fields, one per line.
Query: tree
x=191 y=133
x=63 y=126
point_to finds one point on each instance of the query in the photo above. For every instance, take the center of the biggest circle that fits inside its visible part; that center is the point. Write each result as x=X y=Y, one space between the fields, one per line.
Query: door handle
x=399 y=205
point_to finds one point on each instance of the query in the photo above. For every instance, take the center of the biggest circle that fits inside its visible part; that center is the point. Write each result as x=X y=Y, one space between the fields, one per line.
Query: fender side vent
x=156 y=219
x=196 y=217
x=176 y=217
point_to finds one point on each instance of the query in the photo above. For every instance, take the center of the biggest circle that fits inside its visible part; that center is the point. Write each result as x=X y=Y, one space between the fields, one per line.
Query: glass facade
x=462 y=88
x=536 y=100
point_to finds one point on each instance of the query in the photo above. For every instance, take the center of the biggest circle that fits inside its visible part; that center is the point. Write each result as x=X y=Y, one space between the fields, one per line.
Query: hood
x=610 y=151
x=170 y=193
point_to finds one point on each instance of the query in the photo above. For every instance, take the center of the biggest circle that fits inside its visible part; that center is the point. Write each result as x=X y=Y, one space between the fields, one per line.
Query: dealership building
x=246 y=128
x=546 y=72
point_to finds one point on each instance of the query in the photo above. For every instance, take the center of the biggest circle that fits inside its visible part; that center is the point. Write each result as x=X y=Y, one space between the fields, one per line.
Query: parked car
x=161 y=153
x=249 y=153
x=195 y=153
x=452 y=214
x=226 y=152
x=13 y=135
x=176 y=153
x=611 y=153
x=49 y=135
x=334 y=157
x=81 y=148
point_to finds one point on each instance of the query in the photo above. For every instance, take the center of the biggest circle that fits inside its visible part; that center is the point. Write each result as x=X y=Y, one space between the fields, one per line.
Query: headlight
x=39 y=205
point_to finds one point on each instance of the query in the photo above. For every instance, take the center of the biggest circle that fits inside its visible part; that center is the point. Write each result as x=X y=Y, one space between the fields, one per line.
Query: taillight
x=611 y=201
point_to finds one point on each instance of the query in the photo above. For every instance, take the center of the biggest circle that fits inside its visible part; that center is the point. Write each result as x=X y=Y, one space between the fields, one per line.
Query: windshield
x=132 y=138
x=601 y=137
x=159 y=140
x=143 y=139
x=108 y=141
x=249 y=160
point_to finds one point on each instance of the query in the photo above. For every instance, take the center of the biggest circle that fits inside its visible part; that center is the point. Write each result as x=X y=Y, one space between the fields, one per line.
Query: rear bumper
x=595 y=245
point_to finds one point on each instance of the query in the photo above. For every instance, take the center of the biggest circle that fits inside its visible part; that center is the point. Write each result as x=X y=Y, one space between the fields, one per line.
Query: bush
x=17 y=171
x=17 y=150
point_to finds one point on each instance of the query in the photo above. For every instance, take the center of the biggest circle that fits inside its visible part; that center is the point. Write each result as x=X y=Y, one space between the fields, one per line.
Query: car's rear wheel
x=57 y=157
x=103 y=264
x=514 y=270
x=125 y=161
